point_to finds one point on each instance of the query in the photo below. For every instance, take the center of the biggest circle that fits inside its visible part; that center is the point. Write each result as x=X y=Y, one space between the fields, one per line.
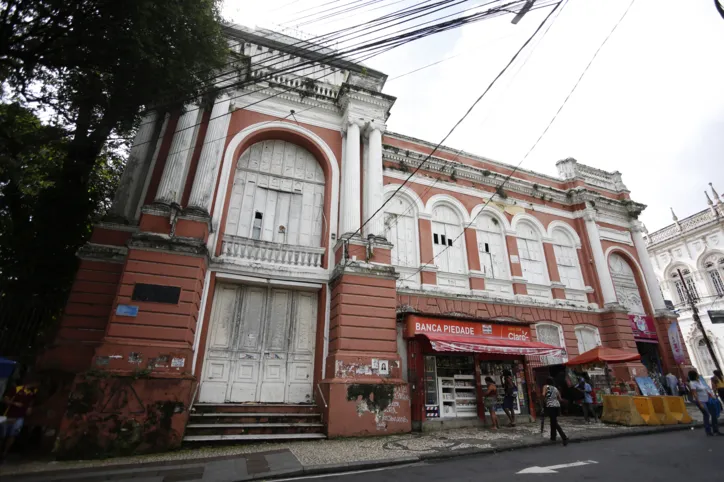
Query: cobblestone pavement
x=242 y=462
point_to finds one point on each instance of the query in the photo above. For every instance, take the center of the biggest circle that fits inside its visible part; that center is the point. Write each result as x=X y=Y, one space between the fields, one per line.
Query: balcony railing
x=275 y=253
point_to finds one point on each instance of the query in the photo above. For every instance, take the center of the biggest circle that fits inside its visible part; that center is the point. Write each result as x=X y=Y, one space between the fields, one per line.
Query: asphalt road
x=675 y=456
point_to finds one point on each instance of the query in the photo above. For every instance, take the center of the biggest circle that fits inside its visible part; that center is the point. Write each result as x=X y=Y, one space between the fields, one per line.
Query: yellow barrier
x=630 y=411
x=677 y=408
x=662 y=411
x=610 y=409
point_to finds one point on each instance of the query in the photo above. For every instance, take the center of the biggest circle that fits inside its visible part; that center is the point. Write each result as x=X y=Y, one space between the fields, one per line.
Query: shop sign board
x=418 y=325
x=643 y=328
x=677 y=345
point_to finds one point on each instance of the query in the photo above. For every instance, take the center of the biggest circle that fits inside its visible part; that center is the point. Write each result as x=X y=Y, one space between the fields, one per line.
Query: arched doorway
x=261 y=338
x=631 y=297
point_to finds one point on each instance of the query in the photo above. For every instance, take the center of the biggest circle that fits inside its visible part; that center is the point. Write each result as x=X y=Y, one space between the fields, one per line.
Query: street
x=666 y=457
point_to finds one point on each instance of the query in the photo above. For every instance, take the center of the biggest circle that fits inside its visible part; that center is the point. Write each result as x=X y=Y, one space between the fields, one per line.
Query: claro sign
x=421 y=325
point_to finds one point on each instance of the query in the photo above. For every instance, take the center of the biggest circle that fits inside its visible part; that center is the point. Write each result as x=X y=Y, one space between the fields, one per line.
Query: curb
x=441 y=456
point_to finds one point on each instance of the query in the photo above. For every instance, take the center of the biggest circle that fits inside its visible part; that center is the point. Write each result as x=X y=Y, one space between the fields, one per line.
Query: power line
x=590 y=62
x=376 y=48
x=516 y=167
x=470 y=109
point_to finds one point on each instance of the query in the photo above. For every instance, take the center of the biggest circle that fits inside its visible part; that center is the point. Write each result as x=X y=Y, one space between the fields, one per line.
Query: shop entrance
x=260 y=346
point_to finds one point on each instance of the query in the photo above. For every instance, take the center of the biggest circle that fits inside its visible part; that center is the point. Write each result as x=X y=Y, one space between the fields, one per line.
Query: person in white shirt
x=702 y=396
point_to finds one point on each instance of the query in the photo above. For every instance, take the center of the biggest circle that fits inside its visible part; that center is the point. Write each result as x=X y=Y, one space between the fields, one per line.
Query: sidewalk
x=233 y=463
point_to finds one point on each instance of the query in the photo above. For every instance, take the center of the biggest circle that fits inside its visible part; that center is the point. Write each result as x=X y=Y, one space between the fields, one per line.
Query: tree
x=95 y=65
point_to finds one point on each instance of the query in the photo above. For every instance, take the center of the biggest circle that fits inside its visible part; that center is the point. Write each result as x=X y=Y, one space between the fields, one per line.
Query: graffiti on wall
x=388 y=403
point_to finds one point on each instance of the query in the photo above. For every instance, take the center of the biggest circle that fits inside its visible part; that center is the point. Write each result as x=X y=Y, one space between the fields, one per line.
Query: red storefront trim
x=483 y=344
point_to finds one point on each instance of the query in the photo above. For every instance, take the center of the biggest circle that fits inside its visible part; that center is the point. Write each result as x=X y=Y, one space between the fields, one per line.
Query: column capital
x=589 y=214
x=374 y=125
x=637 y=227
x=347 y=123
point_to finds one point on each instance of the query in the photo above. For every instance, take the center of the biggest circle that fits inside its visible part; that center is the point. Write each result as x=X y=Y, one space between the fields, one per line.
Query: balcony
x=257 y=251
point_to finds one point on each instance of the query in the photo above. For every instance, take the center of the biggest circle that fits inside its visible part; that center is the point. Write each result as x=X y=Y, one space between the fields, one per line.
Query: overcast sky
x=651 y=105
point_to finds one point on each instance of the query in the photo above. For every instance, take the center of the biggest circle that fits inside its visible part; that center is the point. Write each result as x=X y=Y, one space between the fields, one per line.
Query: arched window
x=679 y=286
x=714 y=266
x=551 y=334
x=400 y=229
x=624 y=283
x=567 y=260
x=447 y=240
x=278 y=195
x=491 y=246
x=706 y=363
x=530 y=252
x=587 y=337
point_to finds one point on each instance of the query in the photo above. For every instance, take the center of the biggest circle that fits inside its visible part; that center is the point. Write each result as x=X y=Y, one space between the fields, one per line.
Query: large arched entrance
x=260 y=346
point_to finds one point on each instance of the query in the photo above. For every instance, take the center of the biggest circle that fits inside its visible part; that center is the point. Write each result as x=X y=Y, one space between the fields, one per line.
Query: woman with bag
x=704 y=399
x=552 y=399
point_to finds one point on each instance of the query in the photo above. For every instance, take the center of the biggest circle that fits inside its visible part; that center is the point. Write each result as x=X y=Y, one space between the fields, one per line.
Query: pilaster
x=349 y=217
x=604 y=274
x=170 y=188
x=373 y=183
x=212 y=152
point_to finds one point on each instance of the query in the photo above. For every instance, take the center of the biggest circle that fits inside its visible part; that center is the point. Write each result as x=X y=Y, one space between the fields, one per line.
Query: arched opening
x=491 y=247
x=401 y=230
x=569 y=271
x=587 y=337
x=530 y=252
x=277 y=195
x=714 y=266
x=447 y=240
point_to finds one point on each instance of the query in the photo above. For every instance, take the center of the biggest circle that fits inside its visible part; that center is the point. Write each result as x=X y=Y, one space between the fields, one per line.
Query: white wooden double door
x=260 y=346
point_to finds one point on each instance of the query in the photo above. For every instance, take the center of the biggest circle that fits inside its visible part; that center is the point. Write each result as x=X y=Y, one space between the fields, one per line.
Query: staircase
x=253 y=422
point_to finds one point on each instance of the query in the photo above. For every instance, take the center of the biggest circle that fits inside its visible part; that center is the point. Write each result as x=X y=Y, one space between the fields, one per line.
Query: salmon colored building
x=279 y=265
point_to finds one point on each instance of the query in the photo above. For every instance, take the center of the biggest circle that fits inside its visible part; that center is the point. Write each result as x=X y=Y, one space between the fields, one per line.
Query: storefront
x=449 y=359
x=647 y=344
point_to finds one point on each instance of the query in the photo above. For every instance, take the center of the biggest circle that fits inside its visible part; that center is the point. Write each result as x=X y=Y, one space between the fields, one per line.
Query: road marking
x=552 y=469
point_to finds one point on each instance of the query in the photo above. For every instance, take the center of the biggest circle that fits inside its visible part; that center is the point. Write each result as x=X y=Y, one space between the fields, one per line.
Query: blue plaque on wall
x=127 y=310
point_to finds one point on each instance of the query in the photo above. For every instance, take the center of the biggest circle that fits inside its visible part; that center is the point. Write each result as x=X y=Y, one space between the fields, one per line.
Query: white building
x=695 y=246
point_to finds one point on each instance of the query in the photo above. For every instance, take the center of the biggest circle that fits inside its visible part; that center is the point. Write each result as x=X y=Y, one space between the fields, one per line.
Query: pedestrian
x=490 y=400
x=717 y=384
x=684 y=390
x=672 y=384
x=553 y=408
x=587 y=404
x=704 y=399
x=19 y=403
x=509 y=393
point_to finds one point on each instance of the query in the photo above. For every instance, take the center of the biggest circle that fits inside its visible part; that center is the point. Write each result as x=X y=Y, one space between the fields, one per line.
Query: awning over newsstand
x=486 y=344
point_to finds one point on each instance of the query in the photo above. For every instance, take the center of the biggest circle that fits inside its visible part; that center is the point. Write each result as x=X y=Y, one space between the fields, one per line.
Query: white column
x=604 y=275
x=349 y=218
x=652 y=281
x=125 y=198
x=373 y=187
x=170 y=189
x=211 y=154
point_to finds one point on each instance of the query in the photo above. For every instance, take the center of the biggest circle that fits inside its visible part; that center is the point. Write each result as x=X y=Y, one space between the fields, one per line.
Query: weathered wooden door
x=260 y=346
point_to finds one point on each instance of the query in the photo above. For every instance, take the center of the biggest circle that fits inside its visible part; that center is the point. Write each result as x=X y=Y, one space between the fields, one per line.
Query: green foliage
x=94 y=66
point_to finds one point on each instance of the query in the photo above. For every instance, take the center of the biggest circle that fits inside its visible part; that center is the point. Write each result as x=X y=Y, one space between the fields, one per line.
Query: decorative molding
x=615 y=235
x=103 y=252
x=616 y=220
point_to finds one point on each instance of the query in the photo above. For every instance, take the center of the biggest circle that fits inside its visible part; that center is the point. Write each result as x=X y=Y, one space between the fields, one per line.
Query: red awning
x=603 y=354
x=484 y=344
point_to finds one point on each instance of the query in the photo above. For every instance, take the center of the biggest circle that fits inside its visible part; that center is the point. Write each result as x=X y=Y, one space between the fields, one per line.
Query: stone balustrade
x=236 y=247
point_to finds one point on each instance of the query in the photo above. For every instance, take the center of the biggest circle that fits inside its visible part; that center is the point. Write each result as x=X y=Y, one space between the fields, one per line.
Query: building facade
x=694 y=247
x=275 y=250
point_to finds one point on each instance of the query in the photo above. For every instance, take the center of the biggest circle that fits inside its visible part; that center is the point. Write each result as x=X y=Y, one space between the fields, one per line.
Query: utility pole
x=697 y=320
